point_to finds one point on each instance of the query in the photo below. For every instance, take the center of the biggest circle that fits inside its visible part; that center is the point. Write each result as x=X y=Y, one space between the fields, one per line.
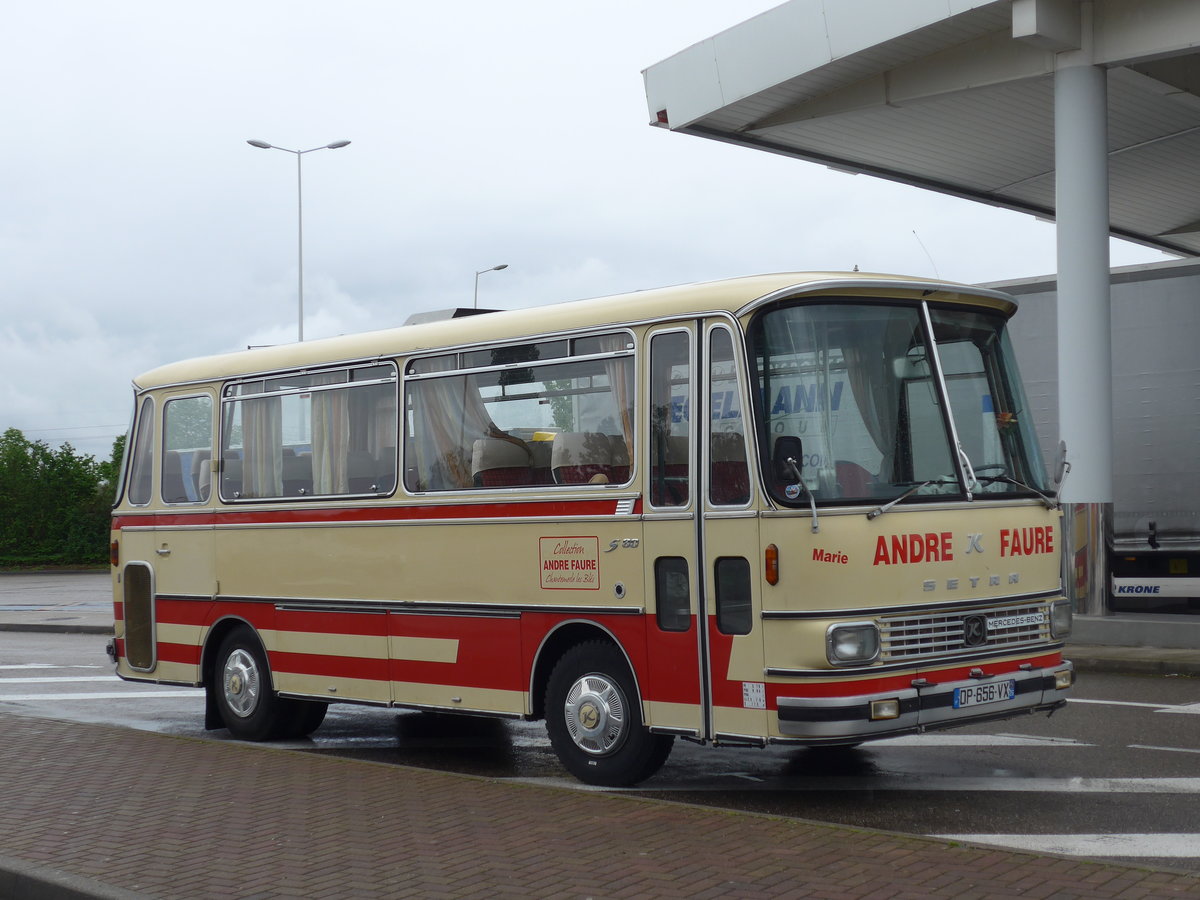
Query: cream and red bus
x=783 y=509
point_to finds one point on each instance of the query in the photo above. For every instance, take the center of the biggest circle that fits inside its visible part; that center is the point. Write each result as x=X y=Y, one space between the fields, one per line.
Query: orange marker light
x=772 y=564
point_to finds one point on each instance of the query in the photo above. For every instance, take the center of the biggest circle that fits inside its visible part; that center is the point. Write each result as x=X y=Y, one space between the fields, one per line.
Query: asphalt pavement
x=94 y=811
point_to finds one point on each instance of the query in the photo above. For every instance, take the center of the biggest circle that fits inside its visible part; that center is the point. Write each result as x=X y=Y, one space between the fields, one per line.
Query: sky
x=137 y=226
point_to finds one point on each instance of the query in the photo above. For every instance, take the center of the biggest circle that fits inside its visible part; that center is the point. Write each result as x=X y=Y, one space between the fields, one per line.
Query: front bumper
x=841 y=720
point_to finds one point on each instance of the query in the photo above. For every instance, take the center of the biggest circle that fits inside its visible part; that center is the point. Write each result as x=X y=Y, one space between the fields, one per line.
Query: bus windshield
x=850 y=402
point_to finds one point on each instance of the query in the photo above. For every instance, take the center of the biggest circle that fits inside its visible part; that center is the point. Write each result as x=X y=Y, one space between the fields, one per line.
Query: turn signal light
x=114 y=554
x=772 y=564
x=1063 y=679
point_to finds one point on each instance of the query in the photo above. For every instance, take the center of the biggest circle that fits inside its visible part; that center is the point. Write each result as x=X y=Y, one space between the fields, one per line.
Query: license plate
x=979 y=694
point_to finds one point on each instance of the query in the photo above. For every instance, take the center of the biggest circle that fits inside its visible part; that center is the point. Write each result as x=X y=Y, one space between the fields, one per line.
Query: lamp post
x=475 y=305
x=263 y=145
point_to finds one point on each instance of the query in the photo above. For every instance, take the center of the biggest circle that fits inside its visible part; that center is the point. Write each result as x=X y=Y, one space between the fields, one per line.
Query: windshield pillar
x=962 y=463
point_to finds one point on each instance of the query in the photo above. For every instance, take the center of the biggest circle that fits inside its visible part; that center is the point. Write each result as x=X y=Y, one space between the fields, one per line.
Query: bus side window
x=565 y=420
x=140 y=472
x=330 y=434
x=733 y=595
x=728 y=475
x=187 y=440
x=671 y=594
x=670 y=394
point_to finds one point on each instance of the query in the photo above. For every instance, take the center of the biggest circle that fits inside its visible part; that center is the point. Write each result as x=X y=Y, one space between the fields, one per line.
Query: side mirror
x=1061 y=466
x=787 y=447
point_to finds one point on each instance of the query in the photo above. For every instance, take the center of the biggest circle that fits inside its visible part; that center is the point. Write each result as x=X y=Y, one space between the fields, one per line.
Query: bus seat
x=361 y=475
x=729 y=476
x=540 y=452
x=385 y=468
x=231 y=477
x=173 y=489
x=297 y=475
x=579 y=456
x=677 y=456
x=620 y=458
x=499 y=463
x=853 y=480
x=202 y=473
x=669 y=471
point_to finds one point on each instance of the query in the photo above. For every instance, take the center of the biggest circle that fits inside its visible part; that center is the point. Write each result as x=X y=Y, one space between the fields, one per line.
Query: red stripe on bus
x=183 y=612
x=188 y=654
x=320 y=664
x=342 y=515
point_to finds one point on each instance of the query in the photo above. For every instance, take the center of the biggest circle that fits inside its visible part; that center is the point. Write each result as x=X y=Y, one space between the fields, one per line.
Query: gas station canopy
x=958 y=96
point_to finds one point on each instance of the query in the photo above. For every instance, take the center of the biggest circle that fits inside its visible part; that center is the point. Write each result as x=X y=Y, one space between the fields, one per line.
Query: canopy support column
x=1084 y=323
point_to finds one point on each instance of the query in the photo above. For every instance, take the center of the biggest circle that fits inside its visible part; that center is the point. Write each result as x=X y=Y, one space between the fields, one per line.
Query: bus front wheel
x=243 y=693
x=594 y=719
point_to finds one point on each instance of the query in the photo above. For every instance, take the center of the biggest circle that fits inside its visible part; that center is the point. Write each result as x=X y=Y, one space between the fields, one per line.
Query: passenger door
x=732 y=560
x=675 y=695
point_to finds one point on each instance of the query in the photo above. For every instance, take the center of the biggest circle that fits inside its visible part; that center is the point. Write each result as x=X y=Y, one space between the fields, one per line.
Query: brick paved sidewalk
x=161 y=816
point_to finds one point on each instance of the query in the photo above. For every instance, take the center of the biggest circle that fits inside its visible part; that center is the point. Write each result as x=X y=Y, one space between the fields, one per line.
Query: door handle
x=164 y=550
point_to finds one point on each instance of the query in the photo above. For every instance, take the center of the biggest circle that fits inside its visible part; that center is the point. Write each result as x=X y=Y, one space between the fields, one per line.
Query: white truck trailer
x=1153 y=544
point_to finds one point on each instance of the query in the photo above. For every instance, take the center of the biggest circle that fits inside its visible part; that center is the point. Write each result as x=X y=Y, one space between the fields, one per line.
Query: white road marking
x=142 y=690
x=1162 y=706
x=59 y=679
x=98 y=695
x=1187 y=708
x=1145 y=846
x=1009 y=784
x=950 y=784
x=996 y=784
x=942 y=739
x=46 y=666
x=1170 y=749
x=1192 y=709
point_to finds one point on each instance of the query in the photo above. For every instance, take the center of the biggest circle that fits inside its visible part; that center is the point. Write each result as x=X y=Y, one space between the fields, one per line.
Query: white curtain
x=448 y=417
x=262 y=440
x=330 y=438
x=620 y=376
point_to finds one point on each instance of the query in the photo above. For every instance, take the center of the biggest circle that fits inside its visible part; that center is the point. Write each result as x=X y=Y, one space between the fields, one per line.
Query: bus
x=783 y=509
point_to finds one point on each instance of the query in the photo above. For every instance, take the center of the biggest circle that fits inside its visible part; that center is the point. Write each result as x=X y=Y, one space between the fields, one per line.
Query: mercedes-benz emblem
x=974 y=631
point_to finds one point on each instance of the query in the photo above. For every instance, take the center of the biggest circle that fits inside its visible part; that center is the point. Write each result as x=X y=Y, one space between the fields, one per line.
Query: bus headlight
x=1060 y=619
x=854 y=642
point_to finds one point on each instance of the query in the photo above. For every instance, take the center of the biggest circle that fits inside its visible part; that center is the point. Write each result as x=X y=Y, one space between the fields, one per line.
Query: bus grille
x=933 y=634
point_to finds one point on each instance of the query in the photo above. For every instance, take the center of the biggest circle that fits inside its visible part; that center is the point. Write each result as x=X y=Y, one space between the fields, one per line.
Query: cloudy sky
x=137 y=226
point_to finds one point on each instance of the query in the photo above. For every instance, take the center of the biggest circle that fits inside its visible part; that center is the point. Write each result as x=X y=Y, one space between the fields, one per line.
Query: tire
x=594 y=718
x=307 y=716
x=243 y=693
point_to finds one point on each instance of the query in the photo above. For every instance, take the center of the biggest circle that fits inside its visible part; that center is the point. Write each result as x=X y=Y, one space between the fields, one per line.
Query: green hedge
x=55 y=504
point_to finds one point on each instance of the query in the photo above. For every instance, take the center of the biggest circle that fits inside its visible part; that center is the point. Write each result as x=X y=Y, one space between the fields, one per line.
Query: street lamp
x=475 y=305
x=263 y=145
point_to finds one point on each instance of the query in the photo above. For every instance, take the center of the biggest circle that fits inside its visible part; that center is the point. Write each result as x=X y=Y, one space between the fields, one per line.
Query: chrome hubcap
x=241 y=683
x=595 y=715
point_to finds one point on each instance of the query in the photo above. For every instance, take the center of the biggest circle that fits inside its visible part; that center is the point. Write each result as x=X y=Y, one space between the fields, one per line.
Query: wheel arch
x=558 y=641
x=208 y=663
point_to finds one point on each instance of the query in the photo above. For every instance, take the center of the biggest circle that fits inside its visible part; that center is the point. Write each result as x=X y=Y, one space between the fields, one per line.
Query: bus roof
x=733 y=296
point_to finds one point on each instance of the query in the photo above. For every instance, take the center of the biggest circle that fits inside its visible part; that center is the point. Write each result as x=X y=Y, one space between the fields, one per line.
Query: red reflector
x=772 y=564
x=662 y=117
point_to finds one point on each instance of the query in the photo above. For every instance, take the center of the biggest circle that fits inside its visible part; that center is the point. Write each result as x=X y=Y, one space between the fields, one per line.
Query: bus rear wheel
x=245 y=698
x=594 y=718
x=306 y=718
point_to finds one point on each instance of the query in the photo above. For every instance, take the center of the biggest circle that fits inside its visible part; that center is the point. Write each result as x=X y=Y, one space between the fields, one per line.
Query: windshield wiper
x=1051 y=502
x=880 y=510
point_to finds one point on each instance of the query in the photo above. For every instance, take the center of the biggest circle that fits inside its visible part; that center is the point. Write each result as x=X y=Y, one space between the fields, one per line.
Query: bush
x=56 y=504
